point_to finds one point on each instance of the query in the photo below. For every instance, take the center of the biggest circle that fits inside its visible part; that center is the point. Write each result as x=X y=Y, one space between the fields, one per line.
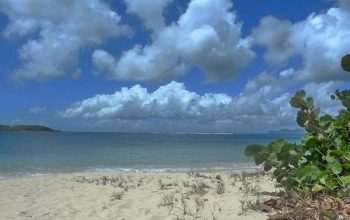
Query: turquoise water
x=41 y=152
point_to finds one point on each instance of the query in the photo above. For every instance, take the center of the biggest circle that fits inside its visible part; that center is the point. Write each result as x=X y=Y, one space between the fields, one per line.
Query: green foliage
x=345 y=63
x=321 y=162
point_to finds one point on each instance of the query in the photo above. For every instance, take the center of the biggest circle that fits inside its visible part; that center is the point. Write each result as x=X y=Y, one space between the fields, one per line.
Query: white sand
x=84 y=196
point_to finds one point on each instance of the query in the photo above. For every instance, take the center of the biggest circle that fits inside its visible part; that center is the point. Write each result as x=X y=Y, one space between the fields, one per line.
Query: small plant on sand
x=320 y=164
x=184 y=205
x=220 y=187
x=117 y=195
x=104 y=180
x=186 y=183
x=168 y=200
x=199 y=205
x=163 y=185
x=199 y=188
x=251 y=197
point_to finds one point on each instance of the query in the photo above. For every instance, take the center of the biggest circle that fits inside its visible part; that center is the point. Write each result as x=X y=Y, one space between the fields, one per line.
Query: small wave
x=241 y=166
x=38 y=174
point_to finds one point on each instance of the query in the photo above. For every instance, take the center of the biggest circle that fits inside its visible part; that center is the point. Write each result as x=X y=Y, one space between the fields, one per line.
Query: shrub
x=321 y=162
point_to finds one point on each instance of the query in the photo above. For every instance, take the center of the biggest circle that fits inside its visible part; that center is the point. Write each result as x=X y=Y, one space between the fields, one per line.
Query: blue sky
x=188 y=66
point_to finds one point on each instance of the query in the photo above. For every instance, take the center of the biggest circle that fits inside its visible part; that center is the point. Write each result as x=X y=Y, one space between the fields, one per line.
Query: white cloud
x=150 y=12
x=56 y=32
x=320 y=40
x=321 y=93
x=37 y=110
x=174 y=103
x=345 y=4
x=274 y=34
x=207 y=36
x=270 y=84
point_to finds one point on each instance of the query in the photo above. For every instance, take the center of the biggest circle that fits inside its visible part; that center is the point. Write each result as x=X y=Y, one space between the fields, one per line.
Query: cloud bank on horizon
x=207 y=35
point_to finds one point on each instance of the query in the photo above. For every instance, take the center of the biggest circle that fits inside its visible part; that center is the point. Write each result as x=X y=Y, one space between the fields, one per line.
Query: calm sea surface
x=36 y=153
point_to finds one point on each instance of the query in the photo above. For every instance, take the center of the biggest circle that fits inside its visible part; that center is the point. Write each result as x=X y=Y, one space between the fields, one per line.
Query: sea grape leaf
x=345 y=63
x=268 y=166
x=330 y=214
x=326 y=118
x=286 y=151
x=339 y=153
x=328 y=181
x=339 y=142
x=309 y=102
x=298 y=100
x=334 y=165
x=302 y=117
x=311 y=171
x=317 y=188
x=253 y=149
x=346 y=102
x=311 y=142
x=345 y=179
x=275 y=146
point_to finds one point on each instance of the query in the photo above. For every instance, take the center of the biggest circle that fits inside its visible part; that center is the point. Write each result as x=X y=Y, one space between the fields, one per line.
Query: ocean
x=41 y=153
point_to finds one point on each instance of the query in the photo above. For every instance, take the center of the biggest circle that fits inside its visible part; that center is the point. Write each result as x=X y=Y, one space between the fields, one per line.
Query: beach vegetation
x=318 y=167
x=321 y=162
x=220 y=187
x=118 y=195
x=200 y=188
x=168 y=200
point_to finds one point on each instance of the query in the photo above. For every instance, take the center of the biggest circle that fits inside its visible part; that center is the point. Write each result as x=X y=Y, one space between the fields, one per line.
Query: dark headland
x=26 y=128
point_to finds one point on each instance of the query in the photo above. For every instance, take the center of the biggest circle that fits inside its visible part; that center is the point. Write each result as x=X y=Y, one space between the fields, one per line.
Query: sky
x=169 y=65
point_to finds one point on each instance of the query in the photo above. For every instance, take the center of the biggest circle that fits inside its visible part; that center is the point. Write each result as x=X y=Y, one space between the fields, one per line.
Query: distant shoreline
x=19 y=128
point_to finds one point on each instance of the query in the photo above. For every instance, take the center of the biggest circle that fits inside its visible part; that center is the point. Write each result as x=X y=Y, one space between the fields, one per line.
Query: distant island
x=288 y=131
x=26 y=128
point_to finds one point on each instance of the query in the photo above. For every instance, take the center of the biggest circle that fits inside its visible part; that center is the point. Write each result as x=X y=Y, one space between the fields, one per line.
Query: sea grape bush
x=321 y=162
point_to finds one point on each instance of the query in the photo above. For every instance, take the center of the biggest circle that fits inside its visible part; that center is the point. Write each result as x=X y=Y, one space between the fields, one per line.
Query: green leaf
x=276 y=146
x=309 y=102
x=330 y=214
x=345 y=179
x=317 y=188
x=334 y=165
x=253 y=149
x=302 y=117
x=327 y=118
x=339 y=153
x=260 y=158
x=311 y=142
x=345 y=63
x=311 y=171
x=298 y=100
x=268 y=166
x=339 y=142
x=329 y=181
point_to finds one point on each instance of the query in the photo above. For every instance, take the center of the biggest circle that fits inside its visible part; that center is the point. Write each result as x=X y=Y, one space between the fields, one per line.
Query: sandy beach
x=126 y=196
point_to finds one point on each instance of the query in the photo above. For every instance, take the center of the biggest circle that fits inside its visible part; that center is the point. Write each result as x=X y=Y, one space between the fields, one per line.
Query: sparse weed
x=199 y=188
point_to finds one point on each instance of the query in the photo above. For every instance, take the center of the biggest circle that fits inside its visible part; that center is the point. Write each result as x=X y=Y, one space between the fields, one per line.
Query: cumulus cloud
x=150 y=12
x=345 y=4
x=267 y=85
x=320 y=40
x=270 y=84
x=57 y=31
x=206 y=36
x=274 y=34
x=321 y=93
x=176 y=104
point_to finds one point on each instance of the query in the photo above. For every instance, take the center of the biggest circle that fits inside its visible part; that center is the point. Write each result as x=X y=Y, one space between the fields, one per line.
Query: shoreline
x=121 y=195
x=237 y=168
